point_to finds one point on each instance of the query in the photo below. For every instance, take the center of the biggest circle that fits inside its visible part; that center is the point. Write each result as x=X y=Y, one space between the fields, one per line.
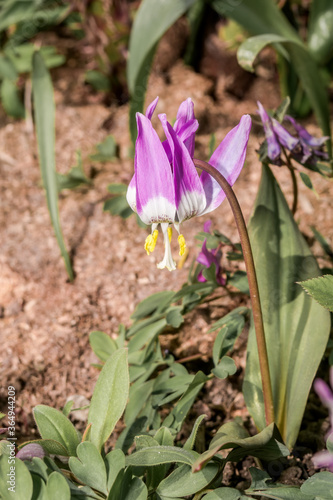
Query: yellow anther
x=182 y=244
x=150 y=242
x=170 y=233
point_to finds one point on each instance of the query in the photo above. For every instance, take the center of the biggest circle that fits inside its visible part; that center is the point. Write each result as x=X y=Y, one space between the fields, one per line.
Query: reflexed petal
x=131 y=194
x=228 y=159
x=324 y=392
x=286 y=139
x=151 y=108
x=189 y=194
x=205 y=257
x=155 y=197
x=323 y=459
x=184 y=115
x=309 y=140
x=273 y=146
x=207 y=226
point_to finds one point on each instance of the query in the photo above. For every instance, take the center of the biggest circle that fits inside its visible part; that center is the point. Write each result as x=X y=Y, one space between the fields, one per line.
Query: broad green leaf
x=57 y=487
x=7 y=69
x=189 y=445
x=19 y=485
x=118 y=205
x=106 y=150
x=174 y=317
x=320 y=484
x=109 y=398
x=151 y=22
x=102 y=345
x=296 y=327
x=10 y=99
x=22 y=56
x=14 y=11
x=39 y=488
x=157 y=455
x=249 y=49
x=225 y=368
x=45 y=126
x=233 y=435
x=89 y=467
x=283 y=493
x=320 y=33
x=53 y=425
x=145 y=335
x=177 y=416
x=153 y=304
x=183 y=481
x=239 y=280
x=117 y=188
x=128 y=488
x=232 y=327
x=223 y=494
x=115 y=462
x=321 y=290
x=98 y=80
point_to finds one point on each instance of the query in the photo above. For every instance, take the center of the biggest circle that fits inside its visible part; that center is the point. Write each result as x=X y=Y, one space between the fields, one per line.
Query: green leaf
x=98 y=80
x=224 y=494
x=225 y=368
x=145 y=335
x=89 y=467
x=296 y=327
x=232 y=435
x=19 y=486
x=102 y=345
x=57 y=487
x=14 y=11
x=153 y=304
x=183 y=481
x=177 y=416
x=320 y=35
x=22 y=56
x=307 y=181
x=45 y=126
x=7 y=69
x=321 y=289
x=10 y=99
x=115 y=462
x=118 y=206
x=174 y=317
x=109 y=398
x=320 y=484
x=225 y=340
x=249 y=49
x=53 y=425
x=157 y=455
x=117 y=188
x=75 y=176
x=106 y=150
x=189 y=445
x=323 y=242
x=151 y=22
x=239 y=280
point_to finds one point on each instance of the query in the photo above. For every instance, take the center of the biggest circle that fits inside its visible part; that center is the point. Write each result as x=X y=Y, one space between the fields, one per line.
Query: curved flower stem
x=253 y=286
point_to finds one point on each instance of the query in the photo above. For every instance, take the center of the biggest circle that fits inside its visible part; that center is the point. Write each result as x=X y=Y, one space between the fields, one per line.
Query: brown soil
x=45 y=320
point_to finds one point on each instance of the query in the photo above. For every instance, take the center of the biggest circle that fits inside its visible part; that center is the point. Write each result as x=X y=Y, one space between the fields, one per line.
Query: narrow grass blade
x=45 y=126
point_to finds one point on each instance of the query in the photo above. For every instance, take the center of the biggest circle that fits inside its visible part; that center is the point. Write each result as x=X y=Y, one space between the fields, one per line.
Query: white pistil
x=167 y=261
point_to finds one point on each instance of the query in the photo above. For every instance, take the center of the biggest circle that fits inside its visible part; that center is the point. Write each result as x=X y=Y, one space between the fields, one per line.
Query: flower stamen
x=182 y=245
x=150 y=242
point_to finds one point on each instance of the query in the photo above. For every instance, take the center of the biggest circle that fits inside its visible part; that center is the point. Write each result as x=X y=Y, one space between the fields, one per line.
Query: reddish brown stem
x=253 y=286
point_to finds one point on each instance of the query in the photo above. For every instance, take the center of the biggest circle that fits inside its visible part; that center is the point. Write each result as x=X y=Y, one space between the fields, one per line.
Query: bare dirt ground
x=45 y=320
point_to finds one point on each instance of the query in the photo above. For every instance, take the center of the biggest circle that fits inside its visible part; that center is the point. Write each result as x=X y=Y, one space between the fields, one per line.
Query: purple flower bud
x=30 y=451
